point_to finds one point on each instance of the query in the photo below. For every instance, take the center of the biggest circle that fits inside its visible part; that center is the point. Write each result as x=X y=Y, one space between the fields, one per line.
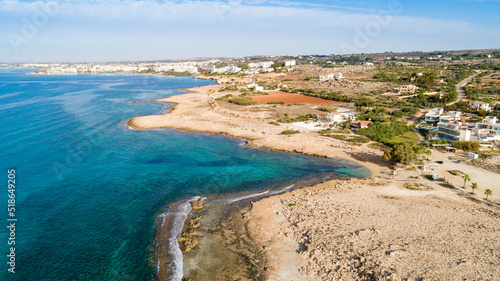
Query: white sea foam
x=177 y=217
x=175 y=265
x=247 y=196
x=258 y=194
x=286 y=188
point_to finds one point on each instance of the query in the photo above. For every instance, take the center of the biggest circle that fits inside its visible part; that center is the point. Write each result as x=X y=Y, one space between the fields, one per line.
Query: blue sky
x=114 y=30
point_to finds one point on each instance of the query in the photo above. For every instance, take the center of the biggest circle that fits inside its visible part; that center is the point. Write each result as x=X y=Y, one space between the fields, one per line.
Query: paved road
x=461 y=89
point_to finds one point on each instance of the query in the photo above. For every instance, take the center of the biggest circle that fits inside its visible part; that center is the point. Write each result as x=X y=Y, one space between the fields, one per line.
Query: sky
x=132 y=30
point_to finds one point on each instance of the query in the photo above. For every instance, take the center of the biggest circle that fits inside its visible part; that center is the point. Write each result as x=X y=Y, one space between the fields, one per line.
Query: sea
x=88 y=189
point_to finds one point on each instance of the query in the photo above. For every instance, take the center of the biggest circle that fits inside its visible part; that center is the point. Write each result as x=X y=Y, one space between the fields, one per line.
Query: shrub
x=401 y=153
x=326 y=109
x=358 y=139
x=243 y=101
x=439 y=142
x=467 y=145
x=276 y=102
x=302 y=118
x=225 y=97
x=382 y=132
x=290 y=132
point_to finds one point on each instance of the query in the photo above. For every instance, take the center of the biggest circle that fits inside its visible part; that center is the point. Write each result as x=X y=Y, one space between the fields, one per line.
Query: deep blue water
x=89 y=189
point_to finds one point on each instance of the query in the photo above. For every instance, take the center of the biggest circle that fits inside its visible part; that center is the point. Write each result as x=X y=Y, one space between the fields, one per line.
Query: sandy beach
x=376 y=230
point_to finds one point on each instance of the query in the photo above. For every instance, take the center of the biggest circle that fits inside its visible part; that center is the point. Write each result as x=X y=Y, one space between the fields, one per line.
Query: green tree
x=467 y=145
x=428 y=152
x=401 y=153
x=473 y=186
x=488 y=192
x=466 y=178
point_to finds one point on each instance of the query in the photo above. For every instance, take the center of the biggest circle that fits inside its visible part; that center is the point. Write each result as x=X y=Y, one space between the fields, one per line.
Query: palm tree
x=429 y=153
x=488 y=192
x=473 y=186
x=466 y=178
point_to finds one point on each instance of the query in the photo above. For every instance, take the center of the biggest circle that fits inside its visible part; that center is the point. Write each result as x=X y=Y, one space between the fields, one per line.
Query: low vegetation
x=302 y=118
x=385 y=132
x=243 y=101
x=467 y=145
x=290 y=132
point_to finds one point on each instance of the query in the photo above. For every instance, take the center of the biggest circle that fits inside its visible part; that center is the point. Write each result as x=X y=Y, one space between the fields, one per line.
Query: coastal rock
x=188 y=240
x=198 y=204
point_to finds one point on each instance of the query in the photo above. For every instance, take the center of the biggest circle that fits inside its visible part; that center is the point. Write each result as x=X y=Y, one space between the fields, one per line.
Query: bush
x=364 y=102
x=383 y=133
x=439 y=142
x=302 y=118
x=243 y=101
x=398 y=114
x=290 y=132
x=467 y=145
x=326 y=109
x=276 y=102
x=225 y=97
x=358 y=140
x=401 y=153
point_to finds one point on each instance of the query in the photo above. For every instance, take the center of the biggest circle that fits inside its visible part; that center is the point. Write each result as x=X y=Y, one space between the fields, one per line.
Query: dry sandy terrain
x=289 y=98
x=358 y=79
x=362 y=230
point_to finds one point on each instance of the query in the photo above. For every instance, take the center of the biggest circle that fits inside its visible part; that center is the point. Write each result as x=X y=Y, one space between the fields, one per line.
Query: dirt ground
x=289 y=98
x=367 y=230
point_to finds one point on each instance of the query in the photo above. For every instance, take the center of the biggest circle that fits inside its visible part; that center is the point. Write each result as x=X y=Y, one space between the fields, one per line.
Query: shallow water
x=89 y=188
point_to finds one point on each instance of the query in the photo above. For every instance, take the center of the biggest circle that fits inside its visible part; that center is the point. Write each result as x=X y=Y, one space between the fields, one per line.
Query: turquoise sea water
x=88 y=188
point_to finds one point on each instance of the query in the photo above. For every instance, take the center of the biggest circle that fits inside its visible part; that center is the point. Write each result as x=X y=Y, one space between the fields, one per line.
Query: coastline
x=194 y=112
x=273 y=237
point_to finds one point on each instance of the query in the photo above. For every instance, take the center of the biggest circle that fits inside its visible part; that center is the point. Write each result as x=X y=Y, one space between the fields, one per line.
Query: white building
x=341 y=117
x=454 y=131
x=262 y=64
x=289 y=63
x=433 y=115
x=451 y=116
x=265 y=64
x=477 y=105
x=330 y=76
x=488 y=129
x=259 y=88
x=227 y=70
x=208 y=67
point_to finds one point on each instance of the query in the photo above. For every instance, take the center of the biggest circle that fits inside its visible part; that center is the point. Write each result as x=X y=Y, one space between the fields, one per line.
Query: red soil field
x=288 y=98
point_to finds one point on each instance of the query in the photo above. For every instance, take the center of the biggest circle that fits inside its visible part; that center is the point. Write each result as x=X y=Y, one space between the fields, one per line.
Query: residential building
x=262 y=64
x=433 y=115
x=488 y=129
x=479 y=105
x=326 y=77
x=210 y=68
x=360 y=124
x=340 y=117
x=454 y=131
x=289 y=63
x=330 y=76
x=407 y=89
x=451 y=116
